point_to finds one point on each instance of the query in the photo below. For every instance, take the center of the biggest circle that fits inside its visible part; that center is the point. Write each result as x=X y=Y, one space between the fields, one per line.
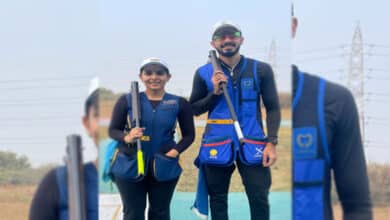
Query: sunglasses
x=159 y=72
x=223 y=36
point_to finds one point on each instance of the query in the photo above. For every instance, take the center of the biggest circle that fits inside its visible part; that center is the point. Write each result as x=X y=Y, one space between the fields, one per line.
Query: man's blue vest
x=91 y=191
x=311 y=158
x=220 y=144
x=244 y=93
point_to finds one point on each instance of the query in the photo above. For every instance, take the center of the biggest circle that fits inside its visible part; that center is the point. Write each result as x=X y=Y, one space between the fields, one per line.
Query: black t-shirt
x=202 y=100
x=184 y=117
x=346 y=151
x=45 y=204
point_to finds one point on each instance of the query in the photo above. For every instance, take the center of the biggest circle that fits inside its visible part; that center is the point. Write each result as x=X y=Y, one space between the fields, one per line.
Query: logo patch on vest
x=213 y=153
x=169 y=104
x=305 y=143
x=259 y=152
x=247 y=83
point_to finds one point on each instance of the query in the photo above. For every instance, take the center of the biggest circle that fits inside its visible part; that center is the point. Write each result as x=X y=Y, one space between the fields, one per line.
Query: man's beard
x=228 y=53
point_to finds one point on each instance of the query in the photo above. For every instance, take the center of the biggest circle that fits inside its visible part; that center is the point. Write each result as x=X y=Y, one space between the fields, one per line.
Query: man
x=248 y=82
x=326 y=137
x=51 y=200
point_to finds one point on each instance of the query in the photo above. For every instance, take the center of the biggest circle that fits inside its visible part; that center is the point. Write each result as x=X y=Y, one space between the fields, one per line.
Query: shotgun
x=136 y=114
x=75 y=171
x=217 y=68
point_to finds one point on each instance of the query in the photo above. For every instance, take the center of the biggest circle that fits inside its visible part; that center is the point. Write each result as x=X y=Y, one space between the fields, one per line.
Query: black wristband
x=272 y=140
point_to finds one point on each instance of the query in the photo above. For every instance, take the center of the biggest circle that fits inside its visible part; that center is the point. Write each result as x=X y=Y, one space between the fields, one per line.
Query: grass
x=15 y=201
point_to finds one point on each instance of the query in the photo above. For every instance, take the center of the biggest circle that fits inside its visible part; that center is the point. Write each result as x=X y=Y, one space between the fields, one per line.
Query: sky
x=51 y=50
x=180 y=31
x=49 y=53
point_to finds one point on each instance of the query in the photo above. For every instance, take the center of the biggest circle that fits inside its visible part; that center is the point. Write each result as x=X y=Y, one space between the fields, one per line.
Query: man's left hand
x=269 y=155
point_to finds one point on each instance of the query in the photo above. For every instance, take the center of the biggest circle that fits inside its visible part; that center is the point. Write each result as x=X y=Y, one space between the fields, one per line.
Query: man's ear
x=242 y=40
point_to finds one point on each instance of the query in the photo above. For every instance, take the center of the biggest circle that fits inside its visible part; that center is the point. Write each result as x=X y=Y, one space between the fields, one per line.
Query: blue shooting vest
x=160 y=123
x=311 y=158
x=220 y=144
x=158 y=138
x=91 y=191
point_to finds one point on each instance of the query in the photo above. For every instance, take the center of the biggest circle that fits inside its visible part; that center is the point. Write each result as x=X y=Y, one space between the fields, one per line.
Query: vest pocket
x=216 y=150
x=166 y=168
x=252 y=150
x=248 y=91
x=125 y=167
x=308 y=189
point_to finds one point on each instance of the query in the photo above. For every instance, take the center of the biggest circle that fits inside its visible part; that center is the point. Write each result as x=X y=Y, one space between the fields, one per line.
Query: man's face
x=91 y=123
x=227 y=42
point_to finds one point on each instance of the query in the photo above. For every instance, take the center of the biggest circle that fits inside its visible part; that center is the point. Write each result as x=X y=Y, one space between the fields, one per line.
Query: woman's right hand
x=134 y=134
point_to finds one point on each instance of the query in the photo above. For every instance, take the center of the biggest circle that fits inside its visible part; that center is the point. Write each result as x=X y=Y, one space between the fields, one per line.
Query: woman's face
x=154 y=77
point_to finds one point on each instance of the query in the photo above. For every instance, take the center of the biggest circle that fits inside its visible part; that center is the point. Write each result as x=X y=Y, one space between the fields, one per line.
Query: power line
x=332 y=48
x=321 y=58
x=42 y=104
x=377 y=78
x=33 y=117
x=377 y=54
x=31 y=125
x=46 y=87
x=377 y=45
x=376 y=118
x=47 y=79
x=380 y=123
x=41 y=99
x=378 y=70
x=377 y=94
x=26 y=120
x=384 y=101
x=32 y=138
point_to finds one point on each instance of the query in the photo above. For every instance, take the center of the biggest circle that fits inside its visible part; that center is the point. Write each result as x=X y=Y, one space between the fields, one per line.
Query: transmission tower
x=356 y=74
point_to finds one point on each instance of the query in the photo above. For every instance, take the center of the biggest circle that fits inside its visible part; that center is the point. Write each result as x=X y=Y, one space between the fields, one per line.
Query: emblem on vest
x=305 y=142
x=247 y=83
x=169 y=104
x=213 y=153
x=259 y=152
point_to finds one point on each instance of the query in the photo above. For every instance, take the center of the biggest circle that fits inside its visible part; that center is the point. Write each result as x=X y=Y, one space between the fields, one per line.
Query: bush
x=18 y=171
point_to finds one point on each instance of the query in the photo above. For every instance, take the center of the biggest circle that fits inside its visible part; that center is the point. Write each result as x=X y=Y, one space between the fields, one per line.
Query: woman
x=159 y=113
